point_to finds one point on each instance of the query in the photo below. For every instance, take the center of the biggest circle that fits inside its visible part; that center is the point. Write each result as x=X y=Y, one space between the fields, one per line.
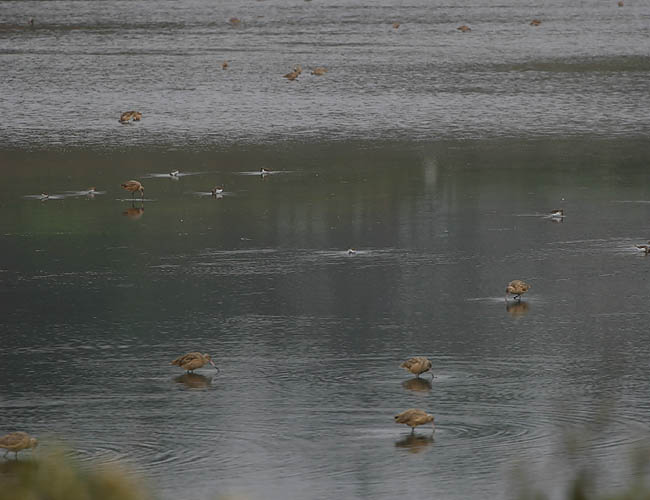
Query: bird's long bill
x=212 y=363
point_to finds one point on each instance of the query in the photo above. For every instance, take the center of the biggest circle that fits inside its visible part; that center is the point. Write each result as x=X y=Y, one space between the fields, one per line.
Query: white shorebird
x=265 y=171
x=644 y=248
x=216 y=190
x=351 y=251
x=44 y=196
x=557 y=214
x=174 y=173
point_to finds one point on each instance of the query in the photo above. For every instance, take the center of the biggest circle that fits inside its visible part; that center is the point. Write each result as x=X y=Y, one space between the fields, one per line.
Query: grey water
x=436 y=154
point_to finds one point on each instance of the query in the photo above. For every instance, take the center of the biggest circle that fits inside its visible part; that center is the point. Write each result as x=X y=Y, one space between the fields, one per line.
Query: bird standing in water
x=414 y=417
x=644 y=248
x=193 y=361
x=133 y=186
x=517 y=288
x=17 y=441
x=417 y=365
x=216 y=190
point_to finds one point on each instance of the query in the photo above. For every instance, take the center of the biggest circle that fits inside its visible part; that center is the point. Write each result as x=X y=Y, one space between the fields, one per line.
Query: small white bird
x=557 y=214
x=265 y=171
x=351 y=251
x=44 y=196
x=174 y=173
x=217 y=190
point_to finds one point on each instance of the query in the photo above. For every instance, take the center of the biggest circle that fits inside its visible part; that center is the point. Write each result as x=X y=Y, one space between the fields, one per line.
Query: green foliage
x=57 y=477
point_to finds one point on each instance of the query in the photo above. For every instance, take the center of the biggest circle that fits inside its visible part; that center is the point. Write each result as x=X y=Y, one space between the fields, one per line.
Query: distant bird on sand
x=644 y=248
x=396 y=25
x=620 y=3
x=319 y=71
x=417 y=365
x=351 y=251
x=414 y=417
x=125 y=117
x=517 y=288
x=535 y=22
x=193 y=361
x=133 y=186
x=224 y=65
x=216 y=190
x=464 y=28
x=17 y=441
x=174 y=173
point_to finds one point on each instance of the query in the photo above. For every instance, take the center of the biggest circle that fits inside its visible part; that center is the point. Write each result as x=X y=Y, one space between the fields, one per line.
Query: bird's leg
x=15 y=455
x=412 y=430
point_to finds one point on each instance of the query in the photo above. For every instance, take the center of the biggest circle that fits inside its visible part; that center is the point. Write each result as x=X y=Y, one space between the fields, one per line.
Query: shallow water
x=584 y=70
x=436 y=154
x=101 y=293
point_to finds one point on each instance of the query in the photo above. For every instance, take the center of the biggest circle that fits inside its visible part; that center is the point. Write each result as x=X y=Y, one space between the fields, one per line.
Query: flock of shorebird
x=413 y=417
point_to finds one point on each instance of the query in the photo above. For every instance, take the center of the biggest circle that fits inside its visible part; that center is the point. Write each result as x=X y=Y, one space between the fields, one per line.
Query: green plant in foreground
x=57 y=477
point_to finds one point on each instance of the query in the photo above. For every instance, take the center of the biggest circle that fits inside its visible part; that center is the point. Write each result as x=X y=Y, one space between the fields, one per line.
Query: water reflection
x=415 y=443
x=134 y=212
x=417 y=384
x=517 y=309
x=194 y=380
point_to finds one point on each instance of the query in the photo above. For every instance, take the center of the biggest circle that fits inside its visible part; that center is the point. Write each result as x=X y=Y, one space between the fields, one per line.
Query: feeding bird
x=265 y=171
x=174 y=173
x=216 y=190
x=193 y=361
x=133 y=186
x=417 y=365
x=645 y=248
x=44 y=196
x=297 y=69
x=319 y=71
x=224 y=65
x=234 y=21
x=535 y=22
x=136 y=116
x=464 y=28
x=558 y=213
x=414 y=417
x=396 y=25
x=517 y=288
x=17 y=441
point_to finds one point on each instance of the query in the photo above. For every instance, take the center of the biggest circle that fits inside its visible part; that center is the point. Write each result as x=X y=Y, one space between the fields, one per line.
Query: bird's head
x=208 y=358
x=33 y=442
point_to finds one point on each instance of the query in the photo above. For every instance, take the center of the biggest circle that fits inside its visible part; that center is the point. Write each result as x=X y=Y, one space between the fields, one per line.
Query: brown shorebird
x=125 y=117
x=193 y=361
x=216 y=190
x=517 y=288
x=535 y=22
x=132 y=187
x=234 y=21
x=417 y=365
x=17 y=441
x=464 y=28
x=414 y=417
x=319 y=71
x=396 y=25
x=224 y=65
x=297 y=69
x=620 y=3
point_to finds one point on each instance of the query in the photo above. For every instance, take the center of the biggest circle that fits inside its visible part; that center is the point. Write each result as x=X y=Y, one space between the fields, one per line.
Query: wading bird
x=396 y=25
x=517 y=288
x=193 y=361
x=464 y=28
x=174 y=173
x=414 y=417
x=535 y=22
x=234 y=21
x=216 y=190
x=417 y=365
x=351 y=251
x=297 y=69
x=558 y=213
x=224 y=65
x=644 y=248
x=265 y=171
x=17 y=441
x=44 y=196
x=125 y=117
x=132 y=187
x=319 y=71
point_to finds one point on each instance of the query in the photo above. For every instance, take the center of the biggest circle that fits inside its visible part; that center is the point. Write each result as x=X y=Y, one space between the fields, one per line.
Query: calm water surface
x=434 y=153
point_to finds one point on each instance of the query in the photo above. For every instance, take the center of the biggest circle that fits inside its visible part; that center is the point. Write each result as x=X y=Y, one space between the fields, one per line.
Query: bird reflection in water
x=194 y=380
x=517 y=309
x=415 y=443
x=417 y=384
x=134 y=212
